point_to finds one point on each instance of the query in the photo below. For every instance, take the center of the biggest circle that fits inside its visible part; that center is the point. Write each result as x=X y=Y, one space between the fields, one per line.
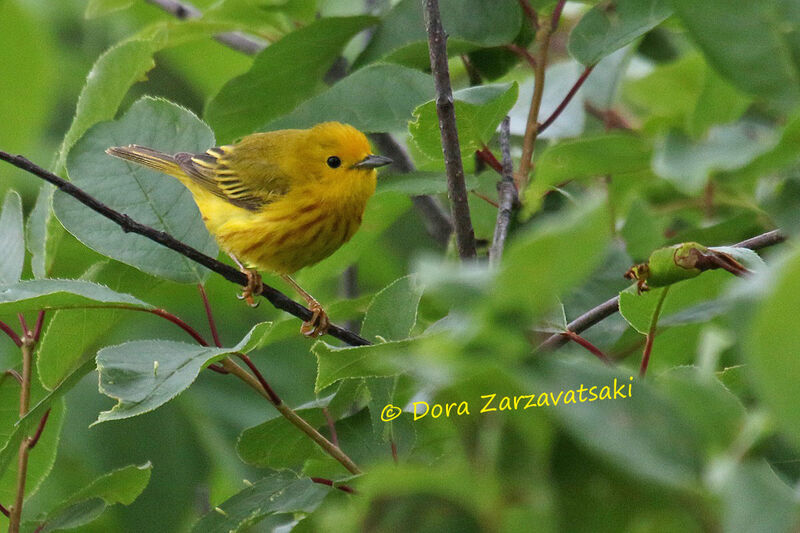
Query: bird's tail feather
x=147 y=157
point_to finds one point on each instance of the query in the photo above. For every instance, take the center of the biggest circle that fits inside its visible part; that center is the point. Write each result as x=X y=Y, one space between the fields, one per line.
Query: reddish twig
x=557 y=14
x=394 y=451
x=612 y=119
x=4 y=510
x=26 y=331
x=571 y=335
x=330 y=483
x=530 y=13
x=14 y=374
x=273 y=396
x=163 y=313
x=331 y=426
x=42 y=422
x=37 y=329
x=486 y=155
x=565 y=102
x=485 y=198
x=211 y=324
x=523 y=53
x=651 y=333
x=11 y=333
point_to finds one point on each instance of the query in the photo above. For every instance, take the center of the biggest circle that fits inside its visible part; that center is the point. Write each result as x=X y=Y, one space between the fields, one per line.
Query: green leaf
x=469 y=24
x=617 y=154
x=641 y=433
x=479 y=110
x=756 y=500
x=278 y=444
x=71 y=335
x=718 y=103
x=39 y=463
x=610 y=25
x=784 y=152
x=642 y=231
x=36 y=234
x=98 y=8
x=772 y=342
x=755 y=46
x=374 y=99
x=637 y=309
x=148 y=197
x=62 y=294
x=559 y=267
x=279 y=492
x=119 y=486
x=106 y=85
x=334 y=364
x=144 y=375
x=688 y=165
x=262 y=94
x=715 y=413
x=27 y=425
x=393 y=311
x=13 y=239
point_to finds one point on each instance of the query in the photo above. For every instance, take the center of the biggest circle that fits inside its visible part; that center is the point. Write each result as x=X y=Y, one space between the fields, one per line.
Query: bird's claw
x=253 y=288
x=318 y=324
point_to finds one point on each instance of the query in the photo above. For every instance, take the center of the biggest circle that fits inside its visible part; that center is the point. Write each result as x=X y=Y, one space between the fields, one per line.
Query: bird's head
x=339 y=153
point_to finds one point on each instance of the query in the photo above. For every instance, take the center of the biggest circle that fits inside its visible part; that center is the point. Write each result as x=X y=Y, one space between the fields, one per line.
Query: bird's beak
x=373 y=161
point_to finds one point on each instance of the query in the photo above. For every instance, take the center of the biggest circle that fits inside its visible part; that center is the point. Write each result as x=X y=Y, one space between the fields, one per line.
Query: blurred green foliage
x=686 y=130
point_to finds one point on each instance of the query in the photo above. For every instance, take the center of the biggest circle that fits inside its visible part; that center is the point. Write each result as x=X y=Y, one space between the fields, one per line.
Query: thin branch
x=554 y=20
x=611 y=306
x=37 y=329
x=331 y=449
x=485 y=199
x=597 y=352
x=234 y=39
x=128 y=225
x=14 y=374
x=5 y=328
x=24 y=325
x=163 y=313
x=532 y=125
x=507 y=193
x=567 y=99
x=271 y=394
x=437 y=221
x=523 y=53
x=331 y=426
x=330 y=483
x=445 y=109
x=530 y=13
x=651 y=332
x=207 y=306
x=393 y=445
x=4 y=510
x=39 y=430
x=612 y=119
x=15 y=518
x=486 y=155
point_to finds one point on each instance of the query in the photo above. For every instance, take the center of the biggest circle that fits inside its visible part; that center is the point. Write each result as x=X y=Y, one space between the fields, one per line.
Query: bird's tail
x=147 y=157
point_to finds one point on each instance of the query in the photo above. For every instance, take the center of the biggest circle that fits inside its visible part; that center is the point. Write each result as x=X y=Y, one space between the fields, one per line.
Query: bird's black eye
x=334 y=162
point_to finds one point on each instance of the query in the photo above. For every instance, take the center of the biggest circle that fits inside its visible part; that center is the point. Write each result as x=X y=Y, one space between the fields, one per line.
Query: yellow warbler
x=279 y=200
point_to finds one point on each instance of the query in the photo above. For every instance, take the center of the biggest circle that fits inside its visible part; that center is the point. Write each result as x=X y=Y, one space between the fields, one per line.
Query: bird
x=277 y=201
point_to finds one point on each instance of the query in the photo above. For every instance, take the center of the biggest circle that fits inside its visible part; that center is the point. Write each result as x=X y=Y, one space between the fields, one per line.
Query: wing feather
x=242 y=178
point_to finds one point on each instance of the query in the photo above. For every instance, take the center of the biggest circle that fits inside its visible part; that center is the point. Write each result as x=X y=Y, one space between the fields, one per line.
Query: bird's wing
x=239 y=178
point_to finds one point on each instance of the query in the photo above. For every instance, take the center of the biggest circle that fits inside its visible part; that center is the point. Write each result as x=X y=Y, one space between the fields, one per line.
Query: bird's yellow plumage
x=277 y=201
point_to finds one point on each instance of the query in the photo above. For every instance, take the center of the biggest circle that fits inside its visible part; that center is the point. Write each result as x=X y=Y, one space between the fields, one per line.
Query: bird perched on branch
x=277 y=201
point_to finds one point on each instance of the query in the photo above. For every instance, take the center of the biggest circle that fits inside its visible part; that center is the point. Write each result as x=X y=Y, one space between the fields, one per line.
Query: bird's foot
x=318 y=324
x=253 y=288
